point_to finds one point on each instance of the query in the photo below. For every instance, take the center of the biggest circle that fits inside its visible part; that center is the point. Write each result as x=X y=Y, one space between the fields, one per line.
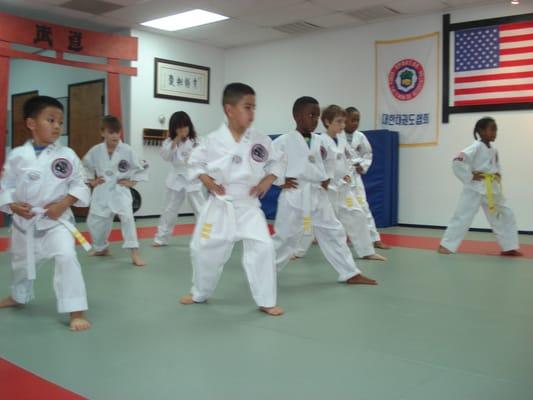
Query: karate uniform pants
x=502 y=221
x=211 y=249
x=169 y=217
x=328 y=231
x=58 y=244
x=371 y=223
x=100 y=228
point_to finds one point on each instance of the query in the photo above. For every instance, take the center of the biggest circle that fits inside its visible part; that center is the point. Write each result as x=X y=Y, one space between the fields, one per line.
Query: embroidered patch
x=259 y=153
x=323 y=152
x=311 y=159
x=62 y=168
x=236 y=159
x=34 y=175
x=123 y=166
x=358 y=148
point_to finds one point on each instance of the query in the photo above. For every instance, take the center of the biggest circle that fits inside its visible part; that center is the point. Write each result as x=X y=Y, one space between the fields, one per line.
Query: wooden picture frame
x=180 y=81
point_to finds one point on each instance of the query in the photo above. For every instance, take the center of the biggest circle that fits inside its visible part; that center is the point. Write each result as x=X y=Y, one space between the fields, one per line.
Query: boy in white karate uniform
x=112 y=169
x=362 y=160
x=478 y=167
x=236 y=165
x=176 y=149
x=303 y=206
x=40 y=181
x=340 y=172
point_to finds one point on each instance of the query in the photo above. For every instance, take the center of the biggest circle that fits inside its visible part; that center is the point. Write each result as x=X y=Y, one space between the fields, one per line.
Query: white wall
x=338 y=67
x=144 y=109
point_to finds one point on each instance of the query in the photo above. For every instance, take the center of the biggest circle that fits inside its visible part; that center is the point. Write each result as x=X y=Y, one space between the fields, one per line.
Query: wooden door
x=86 y=107
x=19 y=132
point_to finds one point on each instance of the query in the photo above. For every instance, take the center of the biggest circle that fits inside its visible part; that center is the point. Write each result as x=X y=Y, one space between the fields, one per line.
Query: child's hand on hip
x=477 y=176
x=22 y=209
x=211 y=185
x=325 y=184
x=126 y=183
x=290 y=183
x=98 y=181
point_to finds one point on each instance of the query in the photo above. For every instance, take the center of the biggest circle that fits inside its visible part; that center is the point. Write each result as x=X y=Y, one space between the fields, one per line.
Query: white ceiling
x=251 y=21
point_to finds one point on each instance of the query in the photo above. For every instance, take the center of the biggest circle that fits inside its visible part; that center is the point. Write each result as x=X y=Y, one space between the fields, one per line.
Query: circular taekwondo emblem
x=62 y=168
x=123 y=166
x=259 y=153
x=406 y=79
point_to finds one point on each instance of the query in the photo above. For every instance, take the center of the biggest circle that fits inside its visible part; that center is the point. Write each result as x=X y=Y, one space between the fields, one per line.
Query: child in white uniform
x=40 y=181
x=478 y=167
x=362 y=160
x=340 y=171
x=176 y=149
x=236 y=165
x=112 y=169
x=303 y=206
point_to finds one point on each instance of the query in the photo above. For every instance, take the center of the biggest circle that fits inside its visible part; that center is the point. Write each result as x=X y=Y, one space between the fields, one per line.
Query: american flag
x=493 y=65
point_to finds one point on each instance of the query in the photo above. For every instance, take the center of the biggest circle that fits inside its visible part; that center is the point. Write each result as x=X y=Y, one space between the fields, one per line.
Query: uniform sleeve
x=198 y=160
x=167 y=152
x=139 y=169
x=462 y=164
x=7 y=185
x=329 y=162
x=89 y=166
x=277 y=162
x=278 y=150
x=77 y=186
x=363 y=155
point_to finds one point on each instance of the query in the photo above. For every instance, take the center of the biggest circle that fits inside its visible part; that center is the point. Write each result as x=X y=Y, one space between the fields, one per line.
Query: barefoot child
x=40 y=181
x=478 y=168
x=339 y=167
x=362 y=160
x=303 y=206
x=176 y=150
x=236 y=165
x=112 y=169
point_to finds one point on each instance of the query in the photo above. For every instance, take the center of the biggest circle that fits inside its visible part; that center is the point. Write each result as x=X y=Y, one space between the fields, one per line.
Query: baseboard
x=443 y=227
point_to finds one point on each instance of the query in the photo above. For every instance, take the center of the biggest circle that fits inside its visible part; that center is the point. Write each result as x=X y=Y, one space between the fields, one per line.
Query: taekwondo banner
x=407 y=88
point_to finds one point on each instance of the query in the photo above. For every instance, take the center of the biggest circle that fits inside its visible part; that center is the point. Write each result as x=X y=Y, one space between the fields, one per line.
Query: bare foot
x=295 y=257
x=155 y=244
x=375 y=257
x=360 y=279
x=443 y=250
x=512 y=253
x=78 y=322
x=274 y=311
x=136 y=258
x=101 y=253
x=187 y=299
x=380 y=245
x=9 y=302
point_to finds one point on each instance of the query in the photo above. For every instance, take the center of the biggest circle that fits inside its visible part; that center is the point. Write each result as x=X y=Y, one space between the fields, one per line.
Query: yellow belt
x=489 y=179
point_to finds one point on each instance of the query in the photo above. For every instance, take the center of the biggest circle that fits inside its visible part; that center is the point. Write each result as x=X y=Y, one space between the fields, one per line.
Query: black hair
x=181 y=119
x=351 y=110
x=235 y=91
x=34 y=105
x=481 y=124
x=111 y=123
x=301 y=102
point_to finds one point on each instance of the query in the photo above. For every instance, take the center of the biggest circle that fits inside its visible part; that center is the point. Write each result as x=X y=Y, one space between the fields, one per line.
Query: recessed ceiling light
x=515 y=2
x=184 y=20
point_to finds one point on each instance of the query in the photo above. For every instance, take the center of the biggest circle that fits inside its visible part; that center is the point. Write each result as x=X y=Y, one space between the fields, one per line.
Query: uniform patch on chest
x=323 y=153
x=259 y=153
x=346 y=153
x=123 y=166
x=62 y=168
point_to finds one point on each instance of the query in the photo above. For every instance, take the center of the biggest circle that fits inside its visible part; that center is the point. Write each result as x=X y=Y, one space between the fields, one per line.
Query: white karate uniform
x=110 y=198
x=236 y=216
x=39 y=181
x=179 y=187
x=307 y=209
x=343 y=199
x=479 y=158
x=362 y=154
